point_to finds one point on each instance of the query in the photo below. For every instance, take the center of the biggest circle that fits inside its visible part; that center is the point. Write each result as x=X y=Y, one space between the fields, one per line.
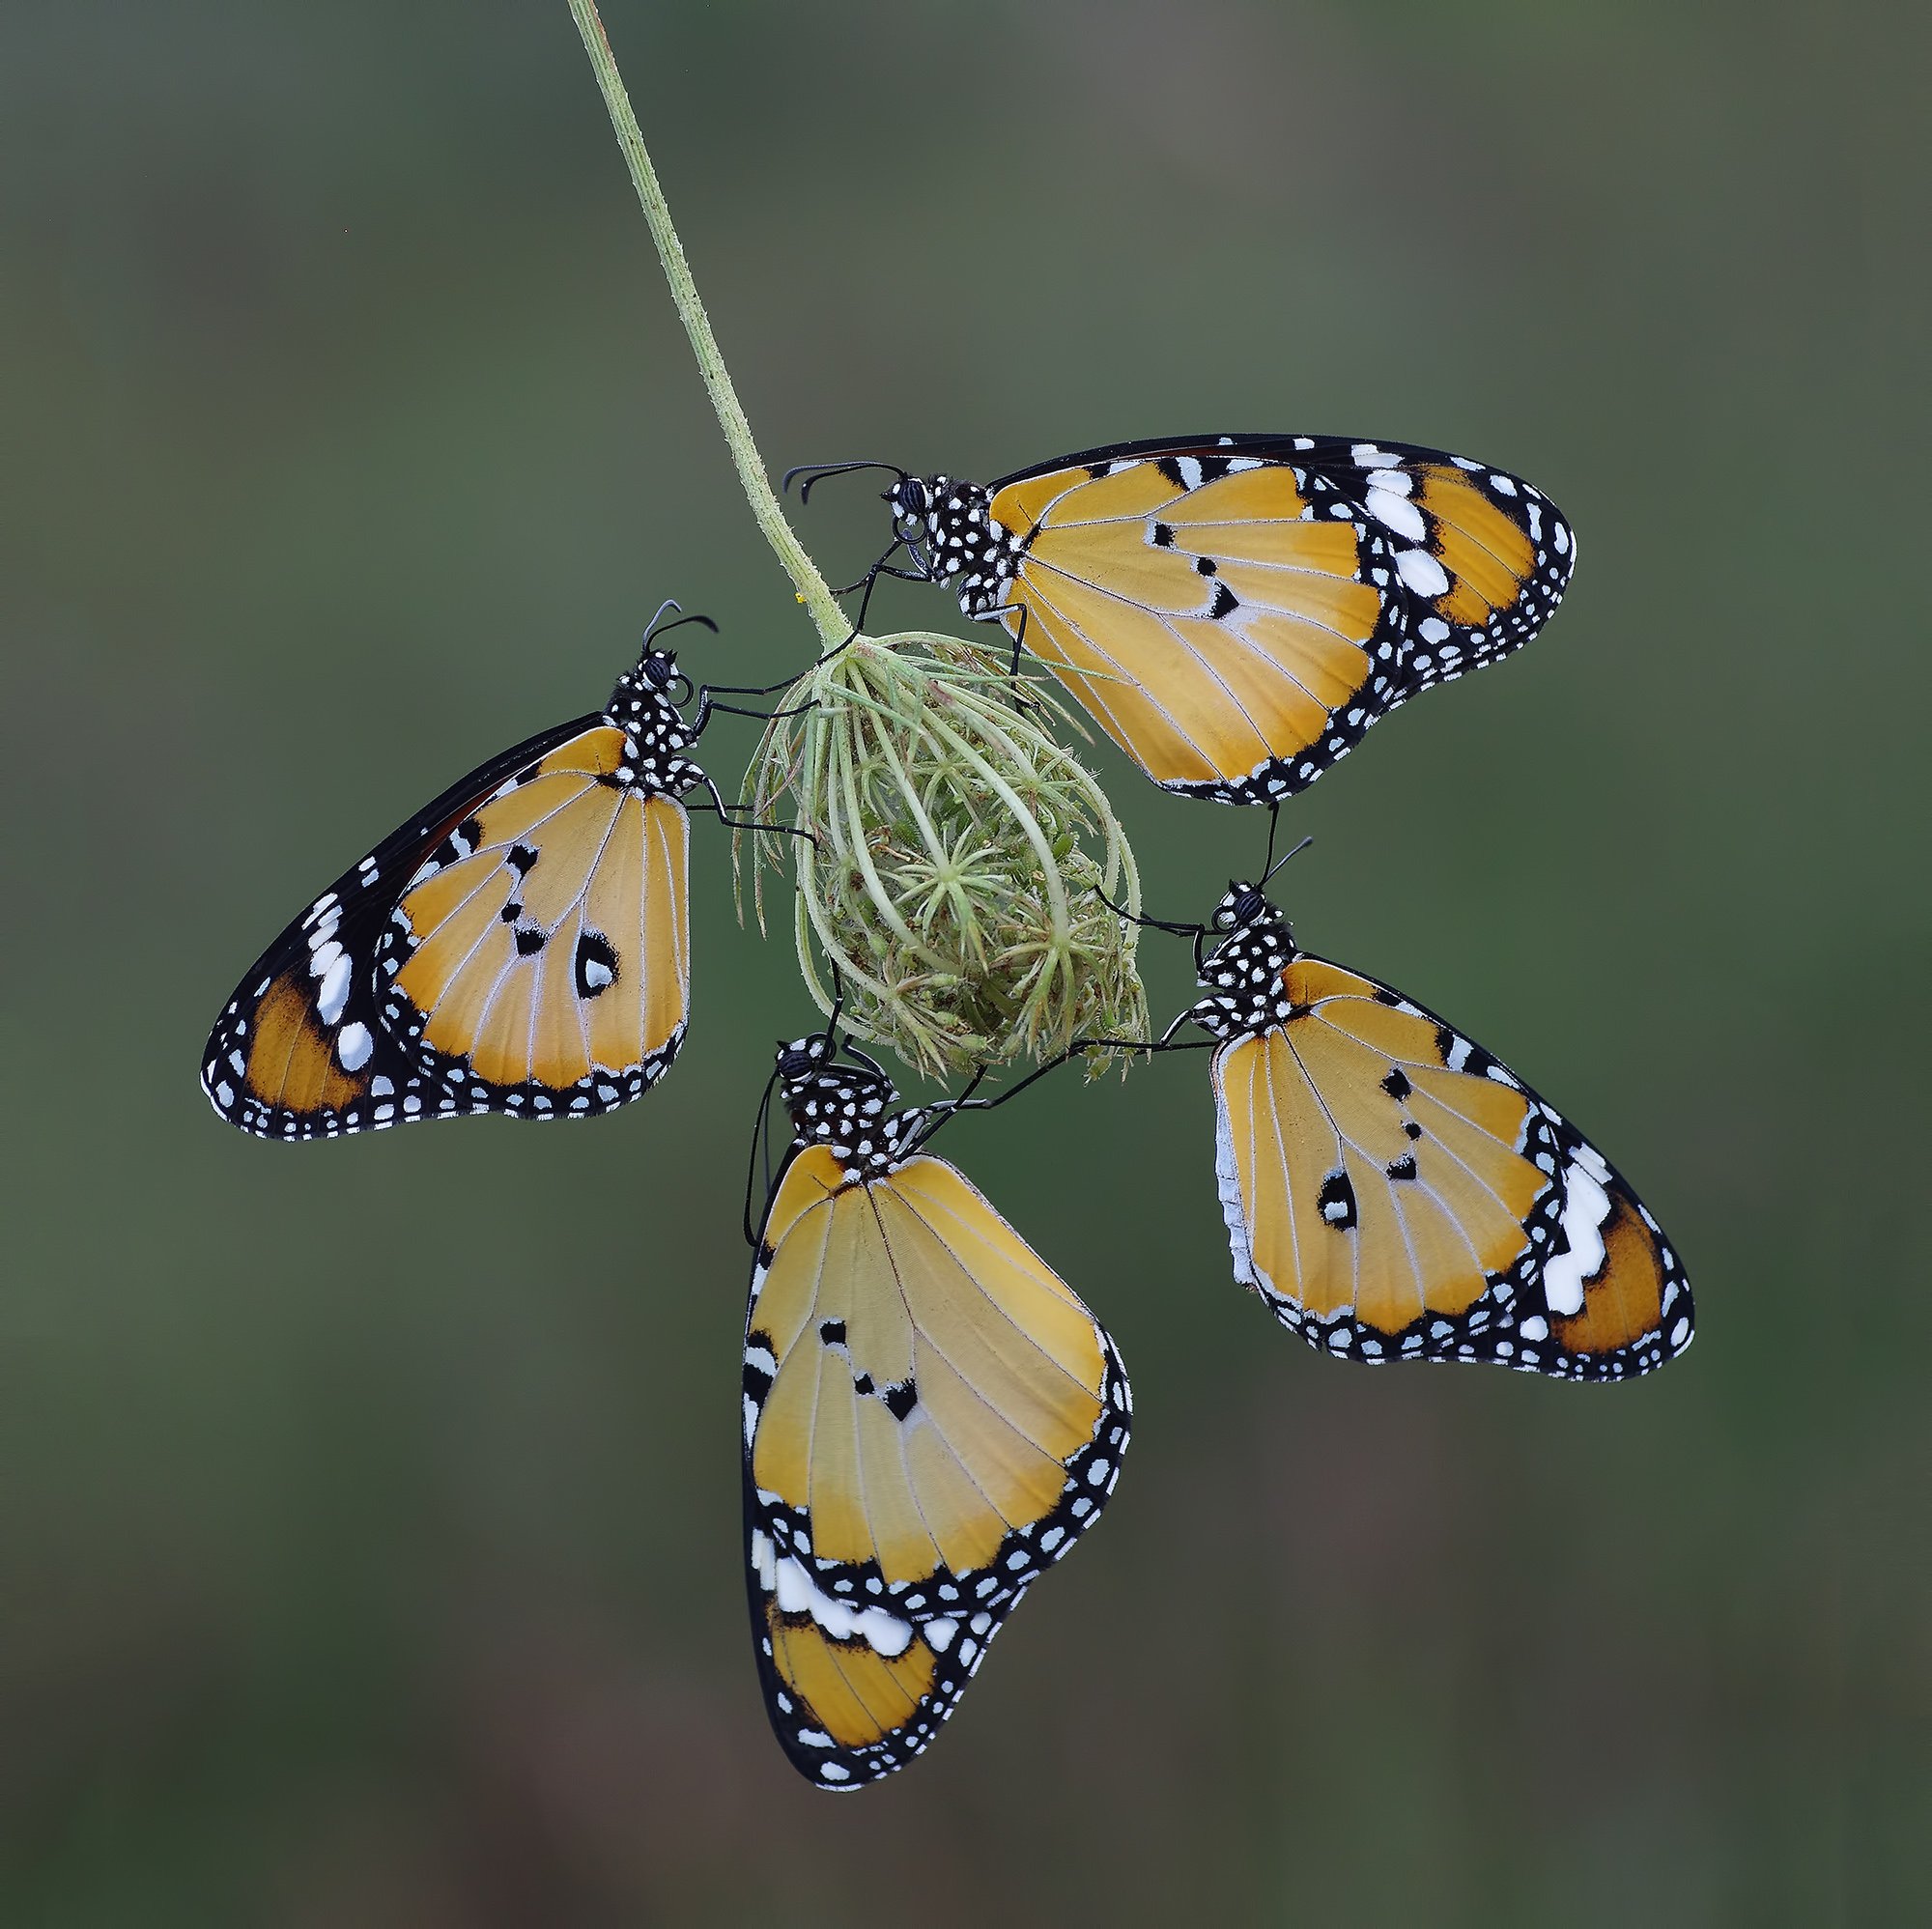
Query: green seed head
x=958 y=859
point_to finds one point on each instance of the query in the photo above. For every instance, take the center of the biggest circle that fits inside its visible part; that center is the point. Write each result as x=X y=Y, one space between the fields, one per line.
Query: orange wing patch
x=858 y=1696
x=1489 y=560
x=1623 y=1300
x=289 y=1063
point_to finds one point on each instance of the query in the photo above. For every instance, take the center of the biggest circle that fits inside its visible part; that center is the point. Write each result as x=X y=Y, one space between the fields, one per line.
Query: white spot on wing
x=1422 y=572
x=1396 y=512
x=1585 y=1207
x=334 y=992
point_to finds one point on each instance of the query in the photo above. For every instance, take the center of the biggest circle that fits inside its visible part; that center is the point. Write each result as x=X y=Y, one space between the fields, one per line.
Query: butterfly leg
x=1149 y=924
x=869 y=581
x=708 y=707
x=744 y=689
x=727 y=814
x=999 y=615
x=967 y=1102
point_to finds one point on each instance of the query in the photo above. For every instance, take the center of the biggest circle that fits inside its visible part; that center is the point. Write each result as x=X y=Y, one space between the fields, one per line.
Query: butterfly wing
x=520 y=945
x=931 y=1419
x=1392 y=1192
x=1236 y=612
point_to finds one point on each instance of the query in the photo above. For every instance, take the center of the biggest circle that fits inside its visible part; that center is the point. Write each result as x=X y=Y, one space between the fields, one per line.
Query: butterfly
x=522 y=945
x=1236 y=610
x=931 y=1419
x=1393 y=1191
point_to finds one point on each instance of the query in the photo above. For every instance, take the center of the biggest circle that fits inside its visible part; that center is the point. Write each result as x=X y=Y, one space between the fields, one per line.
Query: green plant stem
x=833 y=628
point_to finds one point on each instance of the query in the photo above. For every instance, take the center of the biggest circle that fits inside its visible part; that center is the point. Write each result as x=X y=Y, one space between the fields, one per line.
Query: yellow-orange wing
x=1392 y=1192
x=931 y=1419
x=1235 y=611
x=520 y=947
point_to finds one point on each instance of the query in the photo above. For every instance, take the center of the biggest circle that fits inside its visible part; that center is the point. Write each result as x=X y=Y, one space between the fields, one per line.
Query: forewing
x=405 y=992
x=1236 y=612
x=299 y=1051
x=1394 y=1192
x=931 y=1419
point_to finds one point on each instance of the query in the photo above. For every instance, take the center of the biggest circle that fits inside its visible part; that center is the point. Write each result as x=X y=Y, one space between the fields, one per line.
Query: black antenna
x=1281 y=859
x=816 y=472
x=657 y=626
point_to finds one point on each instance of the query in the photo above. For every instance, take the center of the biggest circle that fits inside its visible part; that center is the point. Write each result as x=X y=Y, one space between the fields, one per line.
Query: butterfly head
x=911 y=499
x=845 y=1106
x=1245 y=907
x=645 y=703
x=1243 y=972
x=949 y=530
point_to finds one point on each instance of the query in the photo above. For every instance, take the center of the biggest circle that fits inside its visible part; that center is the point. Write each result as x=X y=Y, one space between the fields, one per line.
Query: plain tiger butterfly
x=1392 y=1191
x=931 y=1419
x=521 y=946
x=1235 y=611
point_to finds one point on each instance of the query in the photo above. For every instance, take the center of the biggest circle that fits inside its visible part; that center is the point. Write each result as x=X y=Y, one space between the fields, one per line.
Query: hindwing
x=1235 y=611
x=931 y=1419
x=1394 y=1192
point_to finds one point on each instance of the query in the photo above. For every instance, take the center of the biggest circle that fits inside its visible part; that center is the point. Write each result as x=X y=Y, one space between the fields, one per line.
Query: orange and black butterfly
x=521 y=946
x=1392 y=1191
x=931 y=1420
x=1236 y=610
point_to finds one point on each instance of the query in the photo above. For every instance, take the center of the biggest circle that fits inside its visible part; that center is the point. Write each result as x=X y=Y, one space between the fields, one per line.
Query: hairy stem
x=833 y=628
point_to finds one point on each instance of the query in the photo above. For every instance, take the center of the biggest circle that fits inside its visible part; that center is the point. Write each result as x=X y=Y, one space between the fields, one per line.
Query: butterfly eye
x=797 y=1060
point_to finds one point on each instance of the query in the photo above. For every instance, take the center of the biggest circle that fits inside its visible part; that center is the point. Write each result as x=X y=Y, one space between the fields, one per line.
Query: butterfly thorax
x=655 y=728
x=1245 y=973
x=844 y=1108
x=948 y=528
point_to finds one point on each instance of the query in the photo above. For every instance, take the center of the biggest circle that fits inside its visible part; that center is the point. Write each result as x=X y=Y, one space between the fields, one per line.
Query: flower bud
x=959 y=862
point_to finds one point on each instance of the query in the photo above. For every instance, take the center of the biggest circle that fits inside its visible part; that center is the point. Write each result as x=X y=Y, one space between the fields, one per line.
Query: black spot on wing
x=1336 y=1202
x=594 y=969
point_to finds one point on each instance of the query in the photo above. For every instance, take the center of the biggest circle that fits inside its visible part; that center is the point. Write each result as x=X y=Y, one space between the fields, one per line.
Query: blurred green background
x=371 y=1542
